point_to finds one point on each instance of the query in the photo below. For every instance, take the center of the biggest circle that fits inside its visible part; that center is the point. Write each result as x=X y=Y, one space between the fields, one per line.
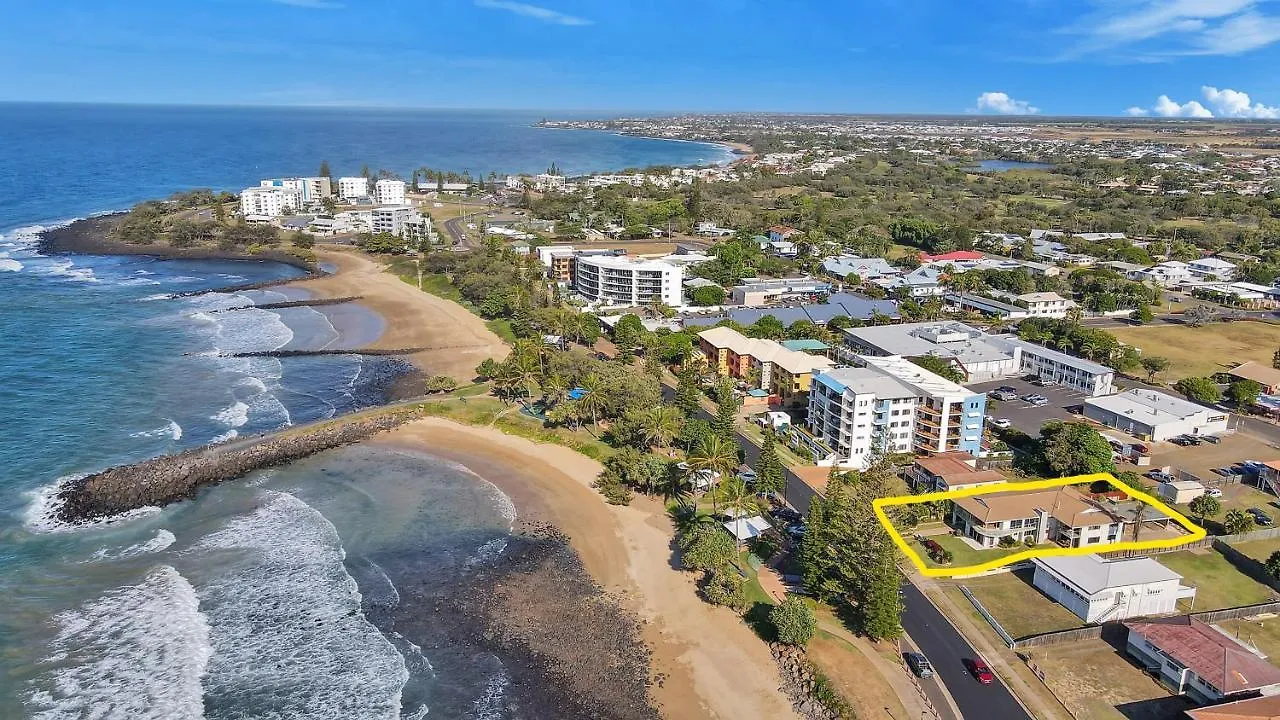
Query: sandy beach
x=448 y=340
x=706 y=662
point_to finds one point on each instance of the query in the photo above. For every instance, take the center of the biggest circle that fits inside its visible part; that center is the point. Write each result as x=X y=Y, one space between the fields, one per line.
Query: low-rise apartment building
x=402 y=221
x=353 y=188
x=1098 y=590
x=768 y=292
x=313 y=189
x=389 y=192
x=1212 y=268
x=558 y=260
x=1191 y=658
x=1045 y=304
x=763 y=364
x=620 y=280
x=892 y=405
x=1061 y=515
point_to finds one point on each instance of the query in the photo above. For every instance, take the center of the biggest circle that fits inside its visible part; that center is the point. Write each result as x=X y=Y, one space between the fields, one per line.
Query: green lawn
x=1218 y=584
x=509 y=419
x=963 y=554
x=1020 y=608
x=1259 y=550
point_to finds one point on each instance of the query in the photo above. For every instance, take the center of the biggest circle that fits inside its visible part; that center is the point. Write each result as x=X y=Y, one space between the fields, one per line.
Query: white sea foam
x=171 y=430
x=65 y=269
x=501 y=500
x=153 y=298
x=43 y=505
x=285 y=620
x=10 y=265
x=489 y=705
x=224 y=437
x=487 y=552
x=134 y=282
x=135 y=652
x=161 y=541
x=233 y=417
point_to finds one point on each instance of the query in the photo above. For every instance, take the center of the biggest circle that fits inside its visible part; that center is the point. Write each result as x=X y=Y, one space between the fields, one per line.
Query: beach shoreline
x=705 y=662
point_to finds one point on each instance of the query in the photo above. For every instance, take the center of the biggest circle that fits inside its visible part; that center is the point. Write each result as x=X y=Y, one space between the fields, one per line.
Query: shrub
x=441 y=384
x=794 y=621
x=725 y=587
x=706 y=547
x=611 y=487
x=1007 y=542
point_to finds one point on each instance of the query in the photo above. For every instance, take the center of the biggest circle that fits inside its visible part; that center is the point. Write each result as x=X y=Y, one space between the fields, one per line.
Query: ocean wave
x=135 y=652
x=489 y=706
x=136 y=282
x=502 y=502
x=158 y=296
x=10 y=265
x=161 y=541
x=44 y=505
x=487 y=553
x=285 y=620
x=64 y=269
x=235 y=416
x=172 y=430
x=224 y=437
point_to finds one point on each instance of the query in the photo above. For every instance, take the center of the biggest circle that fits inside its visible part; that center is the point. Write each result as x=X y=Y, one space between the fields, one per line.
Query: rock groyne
x=170 y=478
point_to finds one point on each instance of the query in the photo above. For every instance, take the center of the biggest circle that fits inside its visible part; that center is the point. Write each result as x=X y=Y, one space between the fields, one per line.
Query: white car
x=1002 y=423
x=1214 y=492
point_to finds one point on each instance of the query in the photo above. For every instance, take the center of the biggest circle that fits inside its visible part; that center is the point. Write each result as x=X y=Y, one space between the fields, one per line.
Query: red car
x=978 y=668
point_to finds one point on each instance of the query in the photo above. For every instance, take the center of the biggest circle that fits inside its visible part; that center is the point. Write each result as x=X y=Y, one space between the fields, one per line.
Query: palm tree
x=591 y=400
x=674 y=487
x=661 y=425
x=714 y=455
x=554 y=390
x=736 y=497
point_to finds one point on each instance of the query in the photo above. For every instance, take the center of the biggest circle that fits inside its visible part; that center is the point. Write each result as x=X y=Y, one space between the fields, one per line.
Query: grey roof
x=1149 y=406
x=866 y=268
x=1091 y=575
x=1077 y=362
x=838 y=305
x=866 y=380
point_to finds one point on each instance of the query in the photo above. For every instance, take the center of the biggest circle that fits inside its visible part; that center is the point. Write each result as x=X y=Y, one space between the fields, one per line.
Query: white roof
x=1041 y=297
x=625 y=262
x=912 y=374
x=1213 y=262
x=1090 y=574
x=1151 y=407
x=865 y=380
x=747 y=528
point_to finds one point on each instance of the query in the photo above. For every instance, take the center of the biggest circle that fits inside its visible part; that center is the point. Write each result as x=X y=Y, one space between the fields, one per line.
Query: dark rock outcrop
x=170 y=478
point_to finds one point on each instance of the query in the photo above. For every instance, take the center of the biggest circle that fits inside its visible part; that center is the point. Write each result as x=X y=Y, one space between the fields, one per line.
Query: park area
x=1204 y=350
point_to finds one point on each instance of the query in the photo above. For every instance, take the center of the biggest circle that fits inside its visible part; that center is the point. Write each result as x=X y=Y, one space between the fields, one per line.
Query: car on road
x=1259 y=517
x=1002 y=423
x=919 y=664
x=980 y=671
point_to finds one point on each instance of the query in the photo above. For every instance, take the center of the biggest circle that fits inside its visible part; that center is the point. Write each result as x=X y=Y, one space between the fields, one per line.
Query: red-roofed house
x=1263 y=708
x=778 y=233
x=950 y=471
x=951 y=257
x=1191 y=658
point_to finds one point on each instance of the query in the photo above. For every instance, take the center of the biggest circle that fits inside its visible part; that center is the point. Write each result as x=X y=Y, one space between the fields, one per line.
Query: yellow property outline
x=879 y=504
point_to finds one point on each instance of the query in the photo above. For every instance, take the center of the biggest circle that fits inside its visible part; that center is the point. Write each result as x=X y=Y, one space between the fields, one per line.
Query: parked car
x=1259 y=517
x=978 y=669
x=1252 y=466
x=1183 y=440
x=786 y=514
x=1213 y=439
x=1039 y=401
x=919 y=664
x=1043 y=382
x=1161 y=476
x=1214 y=492
x=1003 y=394
x=1002 y=423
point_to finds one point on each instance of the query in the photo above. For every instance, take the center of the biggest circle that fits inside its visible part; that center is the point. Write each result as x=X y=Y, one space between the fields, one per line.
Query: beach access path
x=450 y=339
x=707 y=662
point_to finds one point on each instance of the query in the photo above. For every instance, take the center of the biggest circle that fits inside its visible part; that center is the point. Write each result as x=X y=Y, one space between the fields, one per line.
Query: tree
x=1244 y=393
x=1142 y=315
x=1237 y=521
x=487 y=368
x=324 y=169
x=940 y=366
x=769 y=474
x=591 y=397
x=706 y=547
x=688 y=392
x=707 y=295
x=794 y=621
x=1202 y=390
x=1154 y=365
x=1205 y=506
x=441 y=384
x=1273 y=564
x=714 y=456
x=661 y=424
x=1073 y=448
x=725 y=423
x=1275 y=359
x=725 y=586
x=627 y=335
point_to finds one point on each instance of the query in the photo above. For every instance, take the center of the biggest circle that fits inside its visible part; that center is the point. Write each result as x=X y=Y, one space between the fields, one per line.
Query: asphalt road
x=947 y=650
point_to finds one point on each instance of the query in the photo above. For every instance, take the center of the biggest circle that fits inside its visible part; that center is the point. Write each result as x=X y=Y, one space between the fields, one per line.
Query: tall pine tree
x=688 y=393
x=769 y=475
x=724 y=424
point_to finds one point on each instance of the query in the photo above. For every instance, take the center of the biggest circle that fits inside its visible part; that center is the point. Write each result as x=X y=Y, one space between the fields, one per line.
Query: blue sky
x=1055 y=57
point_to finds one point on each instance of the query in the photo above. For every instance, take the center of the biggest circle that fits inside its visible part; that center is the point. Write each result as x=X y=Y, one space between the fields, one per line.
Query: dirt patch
x=1092 y=678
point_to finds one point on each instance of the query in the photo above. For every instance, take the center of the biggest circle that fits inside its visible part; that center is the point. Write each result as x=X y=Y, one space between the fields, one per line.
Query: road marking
x=1195 y=532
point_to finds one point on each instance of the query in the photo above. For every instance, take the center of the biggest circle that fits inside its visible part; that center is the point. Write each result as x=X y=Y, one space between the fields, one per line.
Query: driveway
x=947 y=650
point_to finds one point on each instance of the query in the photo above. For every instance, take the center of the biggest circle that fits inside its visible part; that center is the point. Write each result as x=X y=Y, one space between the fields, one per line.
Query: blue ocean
x=259 y=598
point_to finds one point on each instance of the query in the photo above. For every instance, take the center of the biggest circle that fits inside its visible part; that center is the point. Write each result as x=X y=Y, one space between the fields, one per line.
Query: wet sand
x=705 y=662
x=448 y=339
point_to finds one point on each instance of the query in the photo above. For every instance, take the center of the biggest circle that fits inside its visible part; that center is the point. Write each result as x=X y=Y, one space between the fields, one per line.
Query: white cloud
x=533 y=11
x=1226 y=103
x=311 y=4
x=1001 y=103
x=1233 y=103
x=1153 y=30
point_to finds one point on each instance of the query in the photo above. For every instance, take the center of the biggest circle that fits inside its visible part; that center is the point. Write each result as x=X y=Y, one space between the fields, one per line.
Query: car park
x=1259 y=517
x=980 y=671
x=919 y=664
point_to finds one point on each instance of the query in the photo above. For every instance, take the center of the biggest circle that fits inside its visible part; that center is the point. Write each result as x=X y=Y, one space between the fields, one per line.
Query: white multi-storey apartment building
x=269 y=201
x=402 y=221
x=620 y=280
x=892 y=405
x=313 y=189
x=351 y=188
x=547 y=181
x=389 y=192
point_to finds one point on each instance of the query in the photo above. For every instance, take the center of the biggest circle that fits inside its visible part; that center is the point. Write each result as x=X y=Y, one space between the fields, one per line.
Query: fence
x=1244 y=611
x=1060 y=636
x=1247 y=565
x=1119 y=554
x=995 y=624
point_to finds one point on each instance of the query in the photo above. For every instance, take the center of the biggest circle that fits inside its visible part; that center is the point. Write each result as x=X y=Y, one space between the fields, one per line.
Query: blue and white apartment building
x=891 y=405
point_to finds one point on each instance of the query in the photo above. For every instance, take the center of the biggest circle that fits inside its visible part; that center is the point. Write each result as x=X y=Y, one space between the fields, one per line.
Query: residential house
x=969 y=302
x=779 y=233
x=1167 y=274
x=1045 y=304
x=1266 y=707
x=1212 y=268
x=950 y=471
x=1098 y=590
x=866 y=269
x=1191 y=658
x=1061 y=515
x=1265 y=375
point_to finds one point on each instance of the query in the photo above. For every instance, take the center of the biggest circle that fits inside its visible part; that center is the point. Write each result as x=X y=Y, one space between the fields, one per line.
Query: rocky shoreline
x=92 y=236
x=169 y=478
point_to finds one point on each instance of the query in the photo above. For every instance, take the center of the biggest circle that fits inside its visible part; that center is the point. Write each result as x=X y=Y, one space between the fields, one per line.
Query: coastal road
x=947 y=650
